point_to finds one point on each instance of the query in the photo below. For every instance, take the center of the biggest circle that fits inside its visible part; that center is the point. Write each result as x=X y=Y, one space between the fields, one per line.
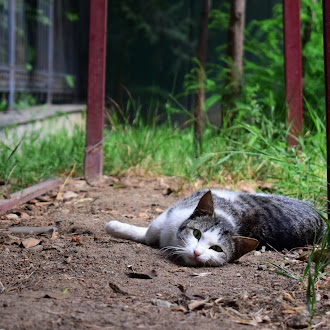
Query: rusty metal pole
x=11 y=53
x=96 y=94
x=50 y=51
x=326 y=39
x=293 y=68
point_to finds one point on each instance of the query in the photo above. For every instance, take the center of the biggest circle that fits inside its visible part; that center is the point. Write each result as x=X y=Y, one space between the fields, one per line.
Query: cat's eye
x=216 y=248
x=197 y=234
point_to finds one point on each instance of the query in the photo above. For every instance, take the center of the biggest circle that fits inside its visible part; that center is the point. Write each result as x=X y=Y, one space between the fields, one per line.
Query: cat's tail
x=126 y=231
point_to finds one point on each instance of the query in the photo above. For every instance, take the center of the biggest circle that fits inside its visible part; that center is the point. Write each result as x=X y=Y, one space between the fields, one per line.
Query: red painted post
x=326 y=39
x=96 y=94
x=293 y=67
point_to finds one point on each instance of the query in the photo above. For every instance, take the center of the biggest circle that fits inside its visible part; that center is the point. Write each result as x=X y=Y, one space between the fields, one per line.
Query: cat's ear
x=243 y=245
x=205 y=206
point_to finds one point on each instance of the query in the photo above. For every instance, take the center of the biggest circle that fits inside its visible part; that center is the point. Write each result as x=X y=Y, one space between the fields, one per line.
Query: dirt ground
x=78 y=277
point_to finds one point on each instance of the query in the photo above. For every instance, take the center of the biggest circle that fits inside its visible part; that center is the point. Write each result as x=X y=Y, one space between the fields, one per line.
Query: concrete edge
x=19 y=117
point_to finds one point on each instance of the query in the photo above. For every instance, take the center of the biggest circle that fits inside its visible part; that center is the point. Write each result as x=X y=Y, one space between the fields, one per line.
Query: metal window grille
x=38 y=50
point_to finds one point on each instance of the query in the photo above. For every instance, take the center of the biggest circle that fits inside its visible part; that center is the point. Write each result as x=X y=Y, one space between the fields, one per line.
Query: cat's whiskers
x=171 y=251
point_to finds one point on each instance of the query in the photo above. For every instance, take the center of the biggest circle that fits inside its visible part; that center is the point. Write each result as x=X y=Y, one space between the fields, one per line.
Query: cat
x=213 y=227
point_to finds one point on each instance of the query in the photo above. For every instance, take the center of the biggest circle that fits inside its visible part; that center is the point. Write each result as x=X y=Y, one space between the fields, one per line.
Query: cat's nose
x=196 y=253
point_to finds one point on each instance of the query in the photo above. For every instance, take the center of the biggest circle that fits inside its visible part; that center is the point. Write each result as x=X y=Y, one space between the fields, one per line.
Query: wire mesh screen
x=39 y=50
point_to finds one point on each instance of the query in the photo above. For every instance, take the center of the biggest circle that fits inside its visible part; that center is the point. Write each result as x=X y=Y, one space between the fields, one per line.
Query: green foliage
x=264 y=66
x=72 y=16
x=70 y=80
x=153 y=19
x=3 y=104
x=264 y=58
x=24 y=100
x=28 y=160
x=312 y=50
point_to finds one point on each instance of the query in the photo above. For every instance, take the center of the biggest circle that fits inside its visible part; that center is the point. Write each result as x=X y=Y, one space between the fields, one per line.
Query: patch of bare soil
x=80 y=278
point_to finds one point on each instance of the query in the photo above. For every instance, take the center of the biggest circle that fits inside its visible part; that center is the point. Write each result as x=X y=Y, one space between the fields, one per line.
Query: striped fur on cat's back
x=212 y=227
x=276 y=221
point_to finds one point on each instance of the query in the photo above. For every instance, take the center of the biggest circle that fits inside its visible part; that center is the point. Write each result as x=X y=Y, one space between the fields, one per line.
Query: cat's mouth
x=193 y=261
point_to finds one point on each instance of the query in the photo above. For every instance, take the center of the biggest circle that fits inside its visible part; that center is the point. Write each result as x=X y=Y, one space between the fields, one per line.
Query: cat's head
x=206 y=240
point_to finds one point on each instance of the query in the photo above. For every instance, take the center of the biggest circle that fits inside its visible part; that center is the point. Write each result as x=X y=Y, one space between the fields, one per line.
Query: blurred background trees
x=158 y=66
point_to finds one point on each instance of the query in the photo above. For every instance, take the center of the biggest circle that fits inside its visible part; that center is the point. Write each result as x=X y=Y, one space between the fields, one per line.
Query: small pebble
x=262 y=267
x=287 y=296
x=12 y=216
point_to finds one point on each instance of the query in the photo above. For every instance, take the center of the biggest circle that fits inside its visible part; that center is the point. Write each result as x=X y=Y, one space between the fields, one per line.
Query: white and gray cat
x=213 y=227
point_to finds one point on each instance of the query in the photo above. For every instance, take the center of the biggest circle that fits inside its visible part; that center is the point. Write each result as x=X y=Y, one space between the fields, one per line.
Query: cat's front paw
x=113 y=227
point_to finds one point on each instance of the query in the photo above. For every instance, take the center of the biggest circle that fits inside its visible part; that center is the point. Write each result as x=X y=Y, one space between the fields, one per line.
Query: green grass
x=29 y=160
x=241 y=152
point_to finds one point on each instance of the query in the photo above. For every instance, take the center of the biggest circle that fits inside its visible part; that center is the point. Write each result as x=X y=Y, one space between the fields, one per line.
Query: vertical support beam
x=96 y=93
x=326 y=39
x=293 y=67
x=11 y=52
x=50 y=51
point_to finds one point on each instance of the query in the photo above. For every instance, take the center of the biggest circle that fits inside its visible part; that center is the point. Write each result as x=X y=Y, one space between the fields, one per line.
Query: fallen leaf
x=200 y=274
x=195 y=304
x=54 y=235
x=44 y=198
x=25 y=216
x=82 y=200
x=287 y=296
x=145 y=275
x=258 y=318
x=238 y=317
x=59 y=196
x=177 y=270
x=80 y=185
x=254 y=323
x=179 y=309
x=70 y=195
x=76 y=239
x=244 y=295
x=30 y=242
x=44 y=203
x=10 y=239
x=188 y=295
x=57 y=296
x=318 y=254
x=116 y=289
x=265 y=186
x=168 y=191
x=159 y=210
x=293 y=310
